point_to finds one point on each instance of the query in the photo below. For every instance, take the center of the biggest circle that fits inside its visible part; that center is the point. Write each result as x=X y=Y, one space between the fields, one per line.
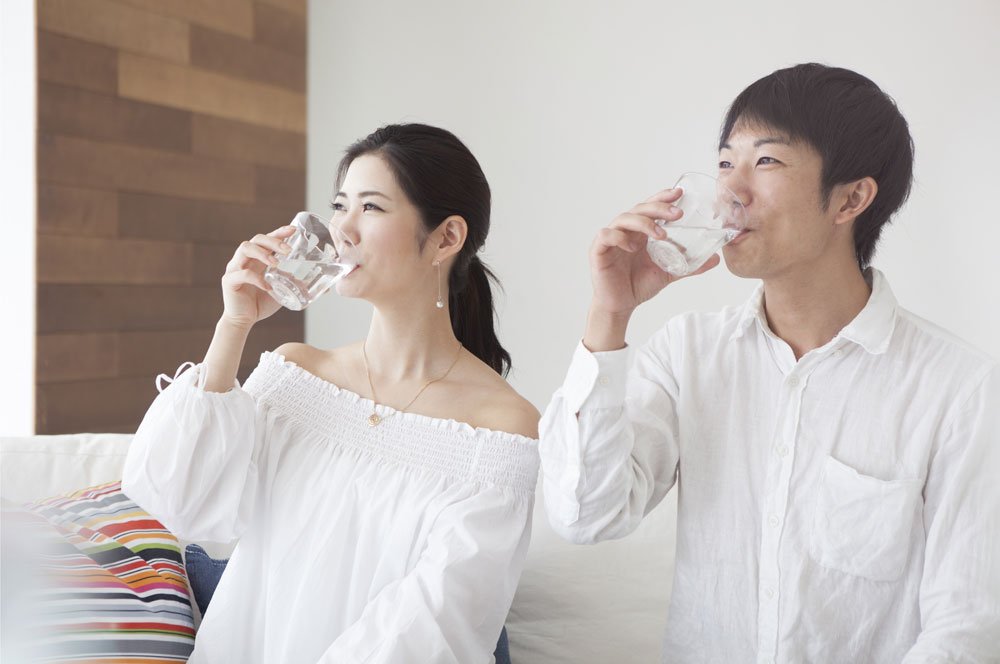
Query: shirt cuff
x=596 y=380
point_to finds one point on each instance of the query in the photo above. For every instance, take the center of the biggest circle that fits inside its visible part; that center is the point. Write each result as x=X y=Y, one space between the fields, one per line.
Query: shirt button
x=768 y=593
x=604 y=380
x=781 y=450
x=773 y=521
x=793 y=381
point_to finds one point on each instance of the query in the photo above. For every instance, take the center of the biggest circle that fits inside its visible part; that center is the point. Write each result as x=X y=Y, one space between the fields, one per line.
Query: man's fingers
x=666 y=196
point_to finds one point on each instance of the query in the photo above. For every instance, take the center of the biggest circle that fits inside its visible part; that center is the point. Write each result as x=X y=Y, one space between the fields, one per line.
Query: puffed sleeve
x=451 y=607
x=192 y=463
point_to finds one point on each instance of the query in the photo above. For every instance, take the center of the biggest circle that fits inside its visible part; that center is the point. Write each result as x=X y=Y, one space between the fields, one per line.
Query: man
x=837 y=458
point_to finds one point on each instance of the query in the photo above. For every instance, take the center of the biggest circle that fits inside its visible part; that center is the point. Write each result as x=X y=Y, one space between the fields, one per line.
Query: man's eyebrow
x=771 y=139
x=780 y=140
x=364 y=193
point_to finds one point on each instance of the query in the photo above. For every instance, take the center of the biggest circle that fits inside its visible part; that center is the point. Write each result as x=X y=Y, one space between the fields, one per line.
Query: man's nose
x=737 y=180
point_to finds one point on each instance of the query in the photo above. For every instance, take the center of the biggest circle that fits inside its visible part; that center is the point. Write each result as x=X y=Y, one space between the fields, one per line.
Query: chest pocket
x=863 y=525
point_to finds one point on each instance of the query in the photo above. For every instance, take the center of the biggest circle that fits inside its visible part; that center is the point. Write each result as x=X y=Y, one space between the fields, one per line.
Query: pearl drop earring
x=440 y=301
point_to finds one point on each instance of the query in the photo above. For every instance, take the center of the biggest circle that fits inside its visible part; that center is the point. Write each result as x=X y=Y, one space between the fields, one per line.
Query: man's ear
x=854 y=198
x=449 y=237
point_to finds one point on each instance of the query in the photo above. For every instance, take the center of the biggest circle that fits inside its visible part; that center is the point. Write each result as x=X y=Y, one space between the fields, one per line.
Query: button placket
x=773 y=513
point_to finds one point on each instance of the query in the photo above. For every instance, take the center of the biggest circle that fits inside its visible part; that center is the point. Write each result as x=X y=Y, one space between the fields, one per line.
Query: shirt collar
x=871 y=329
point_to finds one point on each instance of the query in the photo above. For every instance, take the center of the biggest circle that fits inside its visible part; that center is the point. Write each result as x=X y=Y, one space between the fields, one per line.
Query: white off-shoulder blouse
x=401 y=542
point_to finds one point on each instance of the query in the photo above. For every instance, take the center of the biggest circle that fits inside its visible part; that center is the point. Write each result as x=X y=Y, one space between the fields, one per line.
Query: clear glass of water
x=713 y=216
x=320 y=256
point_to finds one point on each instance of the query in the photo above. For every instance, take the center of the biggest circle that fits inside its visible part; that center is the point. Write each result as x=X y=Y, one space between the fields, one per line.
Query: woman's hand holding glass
x=245 y=294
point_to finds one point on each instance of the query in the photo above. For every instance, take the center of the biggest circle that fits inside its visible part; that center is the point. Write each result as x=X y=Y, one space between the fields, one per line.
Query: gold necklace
x=374 y=419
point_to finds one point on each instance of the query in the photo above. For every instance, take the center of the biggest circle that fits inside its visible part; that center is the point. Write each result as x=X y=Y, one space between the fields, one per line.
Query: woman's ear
x=449 y=237
x=854 y=198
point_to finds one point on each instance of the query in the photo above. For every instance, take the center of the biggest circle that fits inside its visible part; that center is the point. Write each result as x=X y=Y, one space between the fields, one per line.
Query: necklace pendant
x=374 y=419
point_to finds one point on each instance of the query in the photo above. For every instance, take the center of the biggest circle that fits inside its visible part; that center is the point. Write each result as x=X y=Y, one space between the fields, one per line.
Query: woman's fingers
x=238 y=278
x=262 y=248
x=248 y=253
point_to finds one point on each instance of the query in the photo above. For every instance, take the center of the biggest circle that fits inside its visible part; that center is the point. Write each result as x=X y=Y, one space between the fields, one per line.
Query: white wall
x=577 y=110
x=17 y=192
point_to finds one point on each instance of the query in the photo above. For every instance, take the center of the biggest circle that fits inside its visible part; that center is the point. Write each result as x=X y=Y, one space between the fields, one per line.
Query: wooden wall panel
x=87 y=260
x=78 y=63
x=227 y=54
x=76 y=211
x=102 y=165
x=298 y=7
x=168 y=133
x=70 y=111
x=158 y=82
x=114 y=24
x=184 y=219
x=232 y=16
x=279 y=29
x=239 y=141
x=279 y=187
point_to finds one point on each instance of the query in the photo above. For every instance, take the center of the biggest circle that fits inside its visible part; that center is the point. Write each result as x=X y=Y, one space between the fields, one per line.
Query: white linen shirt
x=844 y=507
x=397 y=543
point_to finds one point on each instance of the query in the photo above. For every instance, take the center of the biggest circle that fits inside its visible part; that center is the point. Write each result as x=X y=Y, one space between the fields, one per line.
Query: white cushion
x=41 y=466
x=604 y=602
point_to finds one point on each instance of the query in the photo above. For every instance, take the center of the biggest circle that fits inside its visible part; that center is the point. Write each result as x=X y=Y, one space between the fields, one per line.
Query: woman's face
x=374 y=213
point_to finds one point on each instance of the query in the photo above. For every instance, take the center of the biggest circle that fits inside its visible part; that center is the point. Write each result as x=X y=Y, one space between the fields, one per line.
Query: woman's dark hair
x=853 y=125
x=442 y=178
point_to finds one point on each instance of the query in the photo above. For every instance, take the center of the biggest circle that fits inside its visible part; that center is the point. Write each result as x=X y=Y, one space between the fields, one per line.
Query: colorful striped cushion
x=114 y=587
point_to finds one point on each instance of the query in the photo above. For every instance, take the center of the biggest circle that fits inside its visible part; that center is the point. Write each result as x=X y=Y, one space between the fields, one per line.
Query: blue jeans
x=204 y=573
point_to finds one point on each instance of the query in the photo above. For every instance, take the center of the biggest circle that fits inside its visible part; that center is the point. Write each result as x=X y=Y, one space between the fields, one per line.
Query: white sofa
x=575 y=604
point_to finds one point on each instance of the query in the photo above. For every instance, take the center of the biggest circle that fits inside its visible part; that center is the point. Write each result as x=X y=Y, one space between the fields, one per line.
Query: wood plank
x=189 y=220
x=281 y=187
x=150 y=353
x=74 y=112
x=210 y=263
x=280 y=29
x=240 y=141
x=232 y=16
x=92 y=308
x=158 y=82
x=77 y=63
x=245 y=59
x=63 y=308
x=92 y=405
x=299 y=7
x=85 y=260
x=76 y=356
x=76 y=211
x=117 y=25
x=79 y=162
x=173 y=348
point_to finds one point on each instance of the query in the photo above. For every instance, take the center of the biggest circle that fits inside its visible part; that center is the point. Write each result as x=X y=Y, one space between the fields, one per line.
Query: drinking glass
x=712 y=217
x=321 y=255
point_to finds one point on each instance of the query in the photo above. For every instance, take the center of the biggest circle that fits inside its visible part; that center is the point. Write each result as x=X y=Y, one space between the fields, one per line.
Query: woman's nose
x=346 y=222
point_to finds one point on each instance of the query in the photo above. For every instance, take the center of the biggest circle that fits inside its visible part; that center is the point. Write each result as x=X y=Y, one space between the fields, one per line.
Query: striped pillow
x=114 y=587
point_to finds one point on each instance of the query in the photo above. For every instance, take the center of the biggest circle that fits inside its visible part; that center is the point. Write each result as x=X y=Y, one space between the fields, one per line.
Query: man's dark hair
x=853 y=125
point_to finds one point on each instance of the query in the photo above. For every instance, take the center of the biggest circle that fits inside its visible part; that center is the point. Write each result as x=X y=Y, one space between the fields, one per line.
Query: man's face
x=778 y=181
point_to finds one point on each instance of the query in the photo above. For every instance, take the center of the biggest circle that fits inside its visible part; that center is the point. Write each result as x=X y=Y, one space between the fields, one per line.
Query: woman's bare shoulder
x=501 y=408
x=299 y=353
x=318 y=361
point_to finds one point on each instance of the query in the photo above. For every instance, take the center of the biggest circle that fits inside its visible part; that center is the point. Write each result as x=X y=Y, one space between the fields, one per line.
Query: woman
x=382 y=491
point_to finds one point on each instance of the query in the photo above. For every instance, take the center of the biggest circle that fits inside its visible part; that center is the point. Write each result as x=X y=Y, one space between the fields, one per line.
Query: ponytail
x=470 y=303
